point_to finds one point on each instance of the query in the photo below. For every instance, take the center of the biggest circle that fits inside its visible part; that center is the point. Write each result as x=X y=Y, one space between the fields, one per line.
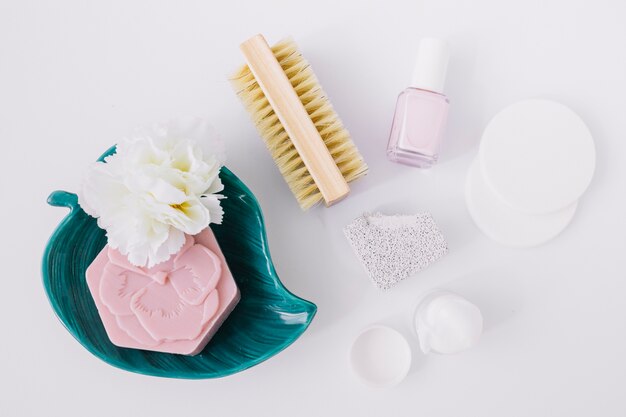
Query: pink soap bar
x=174 y=307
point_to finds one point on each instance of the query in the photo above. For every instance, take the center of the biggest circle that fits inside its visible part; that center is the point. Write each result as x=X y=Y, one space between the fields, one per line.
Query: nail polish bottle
x=422 y=109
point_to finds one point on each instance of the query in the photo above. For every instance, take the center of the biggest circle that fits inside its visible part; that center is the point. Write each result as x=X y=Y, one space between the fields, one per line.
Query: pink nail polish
x=422 y=109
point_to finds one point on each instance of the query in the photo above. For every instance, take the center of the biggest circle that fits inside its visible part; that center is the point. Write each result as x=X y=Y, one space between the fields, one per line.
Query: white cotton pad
x=447 y=323
x=380 y=356
x=505 y=225
x=538 y=156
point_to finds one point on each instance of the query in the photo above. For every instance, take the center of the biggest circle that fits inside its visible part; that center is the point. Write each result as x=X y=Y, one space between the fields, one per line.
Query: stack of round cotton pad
x=536 y=159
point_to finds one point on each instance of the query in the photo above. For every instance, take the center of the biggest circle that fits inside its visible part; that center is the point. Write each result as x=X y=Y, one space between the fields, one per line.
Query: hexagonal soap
x=174 y=307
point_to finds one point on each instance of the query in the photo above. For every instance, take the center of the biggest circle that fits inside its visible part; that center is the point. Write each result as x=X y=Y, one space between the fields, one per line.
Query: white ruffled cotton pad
x=447 y=323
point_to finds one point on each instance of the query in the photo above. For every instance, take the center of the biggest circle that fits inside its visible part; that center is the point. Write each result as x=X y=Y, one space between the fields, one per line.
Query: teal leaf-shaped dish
x=267 y=319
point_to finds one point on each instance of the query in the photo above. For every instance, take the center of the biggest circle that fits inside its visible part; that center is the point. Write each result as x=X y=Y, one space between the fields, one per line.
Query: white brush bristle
x=317 y=105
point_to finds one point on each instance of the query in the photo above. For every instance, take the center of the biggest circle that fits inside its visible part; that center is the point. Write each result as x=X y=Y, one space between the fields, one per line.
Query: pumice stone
x=447 y=323
x=392 y=248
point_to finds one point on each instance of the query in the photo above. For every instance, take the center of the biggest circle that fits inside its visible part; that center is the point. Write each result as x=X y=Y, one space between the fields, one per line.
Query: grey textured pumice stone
x=394 y=247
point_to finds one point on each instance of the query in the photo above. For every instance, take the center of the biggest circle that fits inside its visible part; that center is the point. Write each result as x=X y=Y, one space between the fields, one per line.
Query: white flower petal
x=212 y=203
x=215 y=187
x=160 y=185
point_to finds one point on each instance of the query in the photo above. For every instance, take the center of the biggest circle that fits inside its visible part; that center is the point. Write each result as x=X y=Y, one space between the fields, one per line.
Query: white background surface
x=77 y=75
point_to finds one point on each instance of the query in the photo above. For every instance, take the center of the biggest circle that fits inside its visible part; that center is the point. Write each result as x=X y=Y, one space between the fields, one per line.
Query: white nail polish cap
x=431 y=65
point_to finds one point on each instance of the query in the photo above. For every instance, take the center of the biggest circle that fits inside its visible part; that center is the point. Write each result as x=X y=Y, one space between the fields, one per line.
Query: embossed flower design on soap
x=171 y=307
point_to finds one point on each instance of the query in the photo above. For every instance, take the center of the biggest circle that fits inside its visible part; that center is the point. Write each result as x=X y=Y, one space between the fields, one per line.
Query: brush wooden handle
x=295 y=119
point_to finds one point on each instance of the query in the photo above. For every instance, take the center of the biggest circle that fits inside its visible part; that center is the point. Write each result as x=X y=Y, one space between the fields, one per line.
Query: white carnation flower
x=158 y=186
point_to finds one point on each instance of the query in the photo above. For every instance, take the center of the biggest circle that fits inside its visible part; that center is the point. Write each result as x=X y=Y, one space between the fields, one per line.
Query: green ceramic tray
x=267 y=319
